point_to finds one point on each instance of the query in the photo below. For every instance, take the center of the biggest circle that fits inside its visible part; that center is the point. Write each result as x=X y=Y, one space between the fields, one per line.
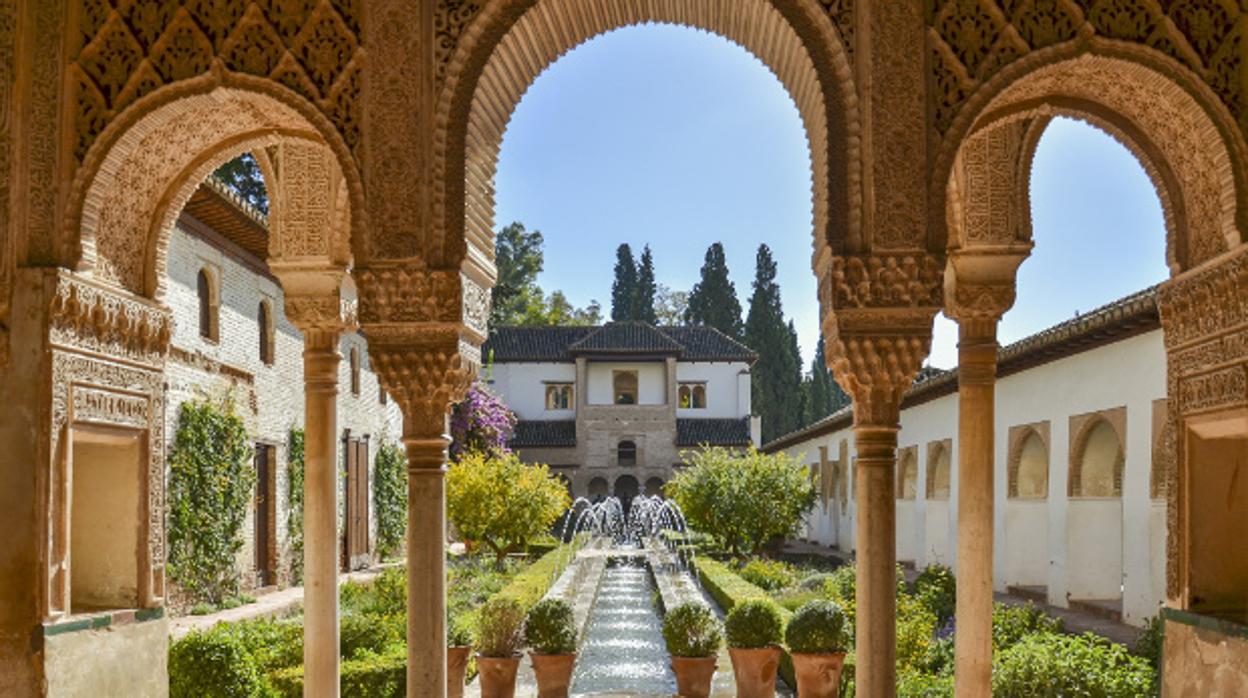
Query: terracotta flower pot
x=498 y=676
x=693 y=675
x=818 y=675
x=456 y=667
x=755 y=671
x=554 y=674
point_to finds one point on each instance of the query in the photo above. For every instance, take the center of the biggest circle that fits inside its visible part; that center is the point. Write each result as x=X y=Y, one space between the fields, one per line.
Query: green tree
x=390 y=499
x=624 y=288
x=743 y=500
x=643 y=303
x=670 y=306
x=502 y=503
x=210 y=487
x=776 y=379
x=294 y=498
x=713 y=301
x=519 y=258
x=243 y=176
x=826 y=396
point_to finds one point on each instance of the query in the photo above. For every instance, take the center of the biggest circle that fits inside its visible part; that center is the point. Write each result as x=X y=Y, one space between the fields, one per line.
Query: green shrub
x=390 y=499
x=210 y=488
x=692 y=630
x=531 y=584
x=1148 y=645
x=272 y=644
x=294 y=497
x=916 y=627
x=501 y=502
x=793 y=600
x=369 y=676
x=212 y=665
x=815 y=582
x=724 y=585
x=913 y=684
x=754 y=623
x=771 y=575
x=818 y=627
x=550 y=627
x=938 y=590
x=1012 y=623
x=1048 y=665
x=459 y=631
x=499 y=626
x=358 y=633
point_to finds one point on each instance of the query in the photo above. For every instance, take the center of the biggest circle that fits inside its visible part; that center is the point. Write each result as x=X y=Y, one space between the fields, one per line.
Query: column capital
x=876 y=365
x=979 y=286
x=317 y=303
x=425 y=370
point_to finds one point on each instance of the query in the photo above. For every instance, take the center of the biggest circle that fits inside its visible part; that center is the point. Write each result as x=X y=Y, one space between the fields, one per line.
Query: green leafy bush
x=210 y=487
x=916 y=628
x=502 y=502
x=818 y=627
x=272 y=644
x=1049 y=665
x=1149 y=644
x=459 y=631
x=938 y=590
x=771 y=575
x=359 y=634
x=390 y=499
x=743 y=500
x=1012 y=623
x=499 y=627
x=754 y=623
x=368 y=676
x=913 y=684
x=294 y=498
x=692 y=630
x=550 y=628
x=529 y=585
x=213 y=665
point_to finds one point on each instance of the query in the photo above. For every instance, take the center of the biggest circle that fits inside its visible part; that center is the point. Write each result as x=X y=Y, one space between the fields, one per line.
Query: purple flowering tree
x=481 y=423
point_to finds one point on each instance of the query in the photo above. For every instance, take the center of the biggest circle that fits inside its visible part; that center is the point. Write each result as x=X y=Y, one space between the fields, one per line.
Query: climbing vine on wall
x=390 y=499
x=294 y=498
x=210 y=486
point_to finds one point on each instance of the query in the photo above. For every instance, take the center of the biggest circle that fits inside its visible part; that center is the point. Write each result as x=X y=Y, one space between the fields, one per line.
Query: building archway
x=626 y=490
x=1094 y=562
x=1027 y=507
x=599 y=489
x=654 y=487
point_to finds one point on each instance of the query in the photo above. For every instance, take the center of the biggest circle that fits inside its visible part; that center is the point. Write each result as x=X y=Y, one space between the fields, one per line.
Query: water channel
x=623 y=648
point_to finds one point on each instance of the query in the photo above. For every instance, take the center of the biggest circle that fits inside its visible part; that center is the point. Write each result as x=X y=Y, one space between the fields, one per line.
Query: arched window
x=699 y=396
x=264 y=325
x=692 y=396
x=1097 y=469
x=599 y=488
x=686 y=396
x=1029 y=471
x=626 y=453
x=355 y=371
x=625 y=384
x=559 y=396
x=654 y=487
x=208 y=306
x=938 y=476
x=908 y=475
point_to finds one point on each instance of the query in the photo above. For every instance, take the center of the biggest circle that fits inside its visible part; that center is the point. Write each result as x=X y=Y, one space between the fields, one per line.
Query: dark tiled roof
x=544 y=434
x=217 y=206
x=713 y=432
x=627 y=338
x=694 y=343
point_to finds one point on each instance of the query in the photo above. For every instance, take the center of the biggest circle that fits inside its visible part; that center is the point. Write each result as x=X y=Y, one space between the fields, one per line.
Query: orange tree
x=496 y=500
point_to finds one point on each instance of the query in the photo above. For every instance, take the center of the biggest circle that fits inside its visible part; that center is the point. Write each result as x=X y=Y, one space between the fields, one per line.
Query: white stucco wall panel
x=723 y=399
x=523 y=387
x=1026 y=542
x=651 y=381
x=1094 y=549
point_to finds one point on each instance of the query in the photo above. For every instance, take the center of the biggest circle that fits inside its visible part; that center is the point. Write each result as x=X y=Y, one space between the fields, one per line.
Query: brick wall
x=269 y=397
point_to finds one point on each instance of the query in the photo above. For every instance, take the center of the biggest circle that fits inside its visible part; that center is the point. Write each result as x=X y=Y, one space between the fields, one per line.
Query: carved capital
x=425 y=370
x=95 y=317
x=319 y=302
x=876 y=366
x=408 y=293
x=882 y=281
x=979 y=286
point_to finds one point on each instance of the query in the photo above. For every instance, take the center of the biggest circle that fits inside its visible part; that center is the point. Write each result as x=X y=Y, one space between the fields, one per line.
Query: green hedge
x=729 y=589
x=368 y=676
x=531 y=583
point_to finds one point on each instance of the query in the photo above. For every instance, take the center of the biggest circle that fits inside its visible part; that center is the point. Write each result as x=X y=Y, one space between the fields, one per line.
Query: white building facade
x=232 y=344
x=612 y=408
x=1080 y=510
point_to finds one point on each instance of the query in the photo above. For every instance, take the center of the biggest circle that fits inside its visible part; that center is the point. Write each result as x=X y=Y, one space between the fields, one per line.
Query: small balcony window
x=626 y=453
x=559 y=396
x=625 y=384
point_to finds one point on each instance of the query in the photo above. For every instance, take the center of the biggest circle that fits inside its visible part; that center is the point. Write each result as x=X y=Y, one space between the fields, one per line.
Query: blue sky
x=676 y=138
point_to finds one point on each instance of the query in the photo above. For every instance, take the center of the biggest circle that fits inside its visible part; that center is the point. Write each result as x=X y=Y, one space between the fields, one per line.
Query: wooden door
x=265 y=508
x=355 y=532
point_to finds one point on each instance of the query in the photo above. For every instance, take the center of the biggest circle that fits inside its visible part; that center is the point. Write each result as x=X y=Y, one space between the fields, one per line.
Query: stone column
x=322 y=320
x=875 y=356
x=425 y=377
x=979 y=289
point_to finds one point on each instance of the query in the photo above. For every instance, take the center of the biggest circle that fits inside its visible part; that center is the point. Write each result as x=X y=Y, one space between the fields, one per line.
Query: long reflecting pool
x=623 y=649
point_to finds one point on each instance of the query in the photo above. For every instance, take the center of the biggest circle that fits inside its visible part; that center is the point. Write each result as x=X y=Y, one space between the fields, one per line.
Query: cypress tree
x=624 y=289
x=776 y=378
x=713 y=301
x=820 y=385
x=643 y=303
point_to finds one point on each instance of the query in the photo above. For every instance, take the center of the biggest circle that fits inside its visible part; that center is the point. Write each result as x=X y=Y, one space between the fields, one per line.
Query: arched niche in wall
x=1028 y=468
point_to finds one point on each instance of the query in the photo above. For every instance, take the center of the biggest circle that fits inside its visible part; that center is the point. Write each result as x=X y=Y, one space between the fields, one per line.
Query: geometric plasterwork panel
x=131 y=48
x=990 y=199
x=971 y=40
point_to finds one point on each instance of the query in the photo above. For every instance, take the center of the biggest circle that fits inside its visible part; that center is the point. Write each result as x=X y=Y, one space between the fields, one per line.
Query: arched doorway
x=599 y=489
x=654 y=487
x=626 y=490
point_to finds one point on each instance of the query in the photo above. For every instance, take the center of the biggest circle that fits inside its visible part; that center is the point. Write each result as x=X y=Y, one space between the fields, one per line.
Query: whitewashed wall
x=523 y=387
x=723 y=388
x=1032 y=542
x=651 y=381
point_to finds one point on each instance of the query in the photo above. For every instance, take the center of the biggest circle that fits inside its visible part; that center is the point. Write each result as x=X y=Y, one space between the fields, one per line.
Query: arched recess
x=1183 y=136
x=510 y=42
x=936 y=515
x=938 y=471
x=1094 y=563
x=140 y=172
x=1027 y=507
x=1028 y=467
x=1096 y=467
x=908 y=528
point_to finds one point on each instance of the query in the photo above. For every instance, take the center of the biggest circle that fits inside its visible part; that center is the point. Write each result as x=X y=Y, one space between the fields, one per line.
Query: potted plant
x=818 y=636
x=754 y=629
x=693 y=635
x=458 y=645
x=550 y=632
x=498 y=646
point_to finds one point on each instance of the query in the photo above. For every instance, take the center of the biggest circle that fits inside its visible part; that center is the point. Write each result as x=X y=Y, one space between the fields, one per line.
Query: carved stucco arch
x=1018 y=440
x=142 y=169
x=1114 y=421
x=1183 y=136
x=510 y=42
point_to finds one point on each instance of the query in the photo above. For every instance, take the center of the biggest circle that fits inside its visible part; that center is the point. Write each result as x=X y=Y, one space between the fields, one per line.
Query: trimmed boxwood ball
x=754 y=624
x=818 y=627
x=499 y=627
x=692 y=630
x=550 y=628
x=212 y=665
